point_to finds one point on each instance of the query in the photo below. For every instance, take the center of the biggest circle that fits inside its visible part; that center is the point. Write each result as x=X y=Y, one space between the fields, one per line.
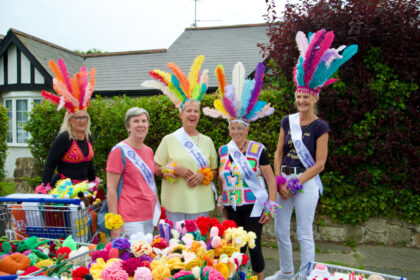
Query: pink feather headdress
x=239 y=101
x=74 y=93
x=317 y=61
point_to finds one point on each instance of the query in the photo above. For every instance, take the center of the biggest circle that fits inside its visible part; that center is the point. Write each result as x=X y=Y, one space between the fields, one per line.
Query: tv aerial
x=194 y=24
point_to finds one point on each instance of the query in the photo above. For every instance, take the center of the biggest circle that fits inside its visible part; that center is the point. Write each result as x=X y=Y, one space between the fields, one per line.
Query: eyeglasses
x=80 y=118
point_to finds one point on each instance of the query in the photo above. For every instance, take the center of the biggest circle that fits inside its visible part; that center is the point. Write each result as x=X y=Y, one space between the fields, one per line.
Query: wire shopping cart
x=80 y=259
x=46 y=217
x=307 y=269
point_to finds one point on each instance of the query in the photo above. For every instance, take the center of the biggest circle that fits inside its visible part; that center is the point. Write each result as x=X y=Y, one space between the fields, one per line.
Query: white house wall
x=1 y=71
x=12 y=65
x=25 y=70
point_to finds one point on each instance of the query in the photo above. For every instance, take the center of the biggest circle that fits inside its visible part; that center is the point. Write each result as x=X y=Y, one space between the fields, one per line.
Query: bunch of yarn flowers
x=191 y=249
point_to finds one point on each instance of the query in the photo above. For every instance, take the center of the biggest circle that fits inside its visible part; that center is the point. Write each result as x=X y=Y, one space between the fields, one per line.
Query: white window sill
x=23 y=145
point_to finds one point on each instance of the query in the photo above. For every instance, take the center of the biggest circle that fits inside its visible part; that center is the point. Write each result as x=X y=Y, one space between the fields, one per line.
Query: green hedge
x=344 y=199
x=4 y=123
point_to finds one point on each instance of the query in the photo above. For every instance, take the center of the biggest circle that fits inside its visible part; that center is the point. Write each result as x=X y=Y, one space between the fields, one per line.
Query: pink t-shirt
x=137 y=200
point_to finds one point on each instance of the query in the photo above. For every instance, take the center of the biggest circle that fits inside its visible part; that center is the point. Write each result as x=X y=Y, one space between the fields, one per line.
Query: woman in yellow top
x=186 y=159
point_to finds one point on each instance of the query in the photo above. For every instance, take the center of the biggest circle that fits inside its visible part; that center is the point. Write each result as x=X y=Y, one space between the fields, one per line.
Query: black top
x=310 y=133
x=75 y=171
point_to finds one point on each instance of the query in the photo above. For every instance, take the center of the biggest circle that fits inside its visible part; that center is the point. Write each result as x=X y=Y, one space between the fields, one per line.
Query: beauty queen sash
x=194 y=151
x=302 y=151
x=145 y=172
x=250 y=178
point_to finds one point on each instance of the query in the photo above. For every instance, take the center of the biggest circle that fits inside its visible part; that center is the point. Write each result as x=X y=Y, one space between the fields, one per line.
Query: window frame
x=30 y=103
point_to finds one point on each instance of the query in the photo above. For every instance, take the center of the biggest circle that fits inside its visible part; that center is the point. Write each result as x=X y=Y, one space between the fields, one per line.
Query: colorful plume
x=240 y=100
x=74 y=92
x=177 y=86
x=317 y=61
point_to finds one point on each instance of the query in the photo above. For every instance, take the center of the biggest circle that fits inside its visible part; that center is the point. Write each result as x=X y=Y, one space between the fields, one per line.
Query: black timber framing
x=10 y=39
x=18 y=67
x=136 y=93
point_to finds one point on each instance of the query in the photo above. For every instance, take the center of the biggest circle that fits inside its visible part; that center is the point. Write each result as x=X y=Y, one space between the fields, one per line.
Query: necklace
x=244 y=145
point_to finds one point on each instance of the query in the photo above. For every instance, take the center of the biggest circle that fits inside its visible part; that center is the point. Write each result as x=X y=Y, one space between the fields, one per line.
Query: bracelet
x=280 y=180
x=294 y=186
x=208 y=175
x=169 y=172
x=271 y=207
x=113 y=221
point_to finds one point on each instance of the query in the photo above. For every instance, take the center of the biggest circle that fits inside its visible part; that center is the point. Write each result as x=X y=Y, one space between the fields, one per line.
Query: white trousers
x=135 y=227
x=178 y=216
x=304 y=205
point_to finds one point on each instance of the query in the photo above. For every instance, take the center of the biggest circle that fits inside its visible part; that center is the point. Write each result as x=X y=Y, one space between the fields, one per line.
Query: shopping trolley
x=28 y=215
x=80 y=259
x=307 y=269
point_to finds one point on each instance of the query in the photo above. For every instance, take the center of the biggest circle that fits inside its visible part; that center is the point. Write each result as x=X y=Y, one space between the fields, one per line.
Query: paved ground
x=397 y=261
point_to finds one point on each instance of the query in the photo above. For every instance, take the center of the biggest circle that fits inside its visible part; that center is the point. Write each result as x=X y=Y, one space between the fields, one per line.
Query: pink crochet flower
x=213 y=273
x=100 y=254
x=114 y=272
x=143 y=273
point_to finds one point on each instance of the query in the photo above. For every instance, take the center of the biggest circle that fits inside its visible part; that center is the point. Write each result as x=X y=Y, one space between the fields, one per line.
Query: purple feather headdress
x=318 y=62
x=239 y=101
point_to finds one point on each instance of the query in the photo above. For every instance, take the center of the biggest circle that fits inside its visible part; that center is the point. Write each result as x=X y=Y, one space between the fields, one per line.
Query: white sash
x=145 y=172
x=194 y=151
x=302 y=151
x=250 y=178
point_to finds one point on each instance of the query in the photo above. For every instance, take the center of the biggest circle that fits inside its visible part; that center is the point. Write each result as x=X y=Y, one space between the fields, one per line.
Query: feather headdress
x=177 y=86
x=317 y=61
x=239 y=101
x=74 y=93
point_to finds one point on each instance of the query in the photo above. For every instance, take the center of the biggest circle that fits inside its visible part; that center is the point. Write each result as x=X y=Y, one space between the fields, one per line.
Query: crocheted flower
x=103 y=254
x=180 y=227
x=140 y=248
x=159 y=243
x=80 y=272
x=213 y=273
x=114 y=272
x=190 y=225
x=96 y=268
x=113 y=221
x=64 y=251
x=131 y=265
x=121 y=243
x=143 y=273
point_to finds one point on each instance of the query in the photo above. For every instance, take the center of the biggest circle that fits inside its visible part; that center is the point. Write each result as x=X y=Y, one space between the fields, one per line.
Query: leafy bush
x=4 y=124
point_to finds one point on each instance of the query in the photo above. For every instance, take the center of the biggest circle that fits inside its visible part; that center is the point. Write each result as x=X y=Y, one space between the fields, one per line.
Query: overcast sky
x=124 y=25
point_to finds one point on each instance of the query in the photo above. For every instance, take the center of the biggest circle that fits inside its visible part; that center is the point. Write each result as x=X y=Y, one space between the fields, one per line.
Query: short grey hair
x=135 y=111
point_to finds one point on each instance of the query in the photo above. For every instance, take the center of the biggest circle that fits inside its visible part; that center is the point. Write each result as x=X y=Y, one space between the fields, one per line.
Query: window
x=17 y=113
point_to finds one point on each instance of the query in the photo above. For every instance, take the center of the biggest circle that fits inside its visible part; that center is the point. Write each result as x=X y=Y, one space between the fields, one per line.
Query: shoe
x=279 y=276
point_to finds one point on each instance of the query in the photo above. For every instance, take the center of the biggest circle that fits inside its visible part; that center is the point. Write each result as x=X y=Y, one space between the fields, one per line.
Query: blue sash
x=145 y=172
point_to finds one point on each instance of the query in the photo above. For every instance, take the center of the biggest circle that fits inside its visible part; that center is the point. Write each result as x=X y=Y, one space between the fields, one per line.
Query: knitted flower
x=180 y=227
x=113 y=221
x=140 y=248
x=114 y=272
x=121 y=243
x=80 y=272
x=64 y=251
x=96 y=268
x=159 y=243
x=143 y=273
x=131 y=265
x=213 y=273
x=190 y=226
x=159 y=270
x=103 y=254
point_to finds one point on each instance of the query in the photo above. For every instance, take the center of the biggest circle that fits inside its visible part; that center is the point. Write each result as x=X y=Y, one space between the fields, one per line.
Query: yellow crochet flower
x=47 y=263
x=113 y=221
x=176 y=263
x=140 y=247
x=96 y=268
x=159 y=270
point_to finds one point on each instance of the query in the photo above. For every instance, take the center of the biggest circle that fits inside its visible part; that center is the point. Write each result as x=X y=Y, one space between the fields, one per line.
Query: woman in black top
x=71 y=152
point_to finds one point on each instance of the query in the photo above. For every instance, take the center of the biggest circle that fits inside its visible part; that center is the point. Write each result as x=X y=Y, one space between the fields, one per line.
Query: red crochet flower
x=159 y=243
x=80 y=272
x=64 y=251
x=162 y=213
x=169 y=222
x=203 y=224
x=78 y=278
x=190 y=225
x=131 y=265
x=31 y=270
x=245 y=259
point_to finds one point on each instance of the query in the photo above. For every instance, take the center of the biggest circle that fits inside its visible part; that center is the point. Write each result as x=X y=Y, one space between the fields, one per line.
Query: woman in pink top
x=137 y=200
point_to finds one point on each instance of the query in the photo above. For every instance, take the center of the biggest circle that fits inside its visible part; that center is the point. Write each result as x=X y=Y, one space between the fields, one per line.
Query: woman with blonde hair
x=71 y=153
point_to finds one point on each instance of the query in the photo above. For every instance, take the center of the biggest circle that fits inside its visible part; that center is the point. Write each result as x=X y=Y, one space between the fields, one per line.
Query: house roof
x=220 y=45
x=44 y=51
x=123 y=72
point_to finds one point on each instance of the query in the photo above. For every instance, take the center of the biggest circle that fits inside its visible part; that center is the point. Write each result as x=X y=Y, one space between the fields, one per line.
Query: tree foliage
x=4 y=124
x=373 y=111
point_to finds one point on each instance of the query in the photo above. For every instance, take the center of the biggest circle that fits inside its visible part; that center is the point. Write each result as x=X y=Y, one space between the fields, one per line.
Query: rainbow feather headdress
x=239 y=101
x=317 y=61
x=74 y=92
x=177 y=87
